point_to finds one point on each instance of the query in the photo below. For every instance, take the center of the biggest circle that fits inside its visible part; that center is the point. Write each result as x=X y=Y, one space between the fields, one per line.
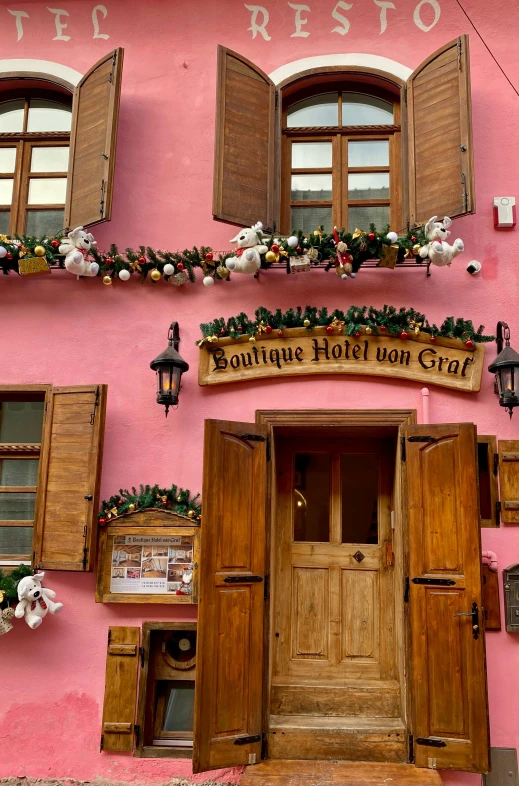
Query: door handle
x=474 y=613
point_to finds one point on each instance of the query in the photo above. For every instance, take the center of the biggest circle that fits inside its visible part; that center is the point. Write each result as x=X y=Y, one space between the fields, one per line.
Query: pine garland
x=174 y=499
x=9 y=583
x=142 y=262
x=384 y=321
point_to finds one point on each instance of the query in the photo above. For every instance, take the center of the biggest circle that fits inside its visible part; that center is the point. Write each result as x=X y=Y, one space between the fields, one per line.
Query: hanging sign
x=446 y=362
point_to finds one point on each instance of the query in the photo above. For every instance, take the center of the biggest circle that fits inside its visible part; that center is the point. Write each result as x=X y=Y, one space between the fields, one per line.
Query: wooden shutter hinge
x=432 y=742
x=246 y=740
x=410 y=747
x=101 y=742
x=96 y=404
x=114 y=61
x=464 y=191
x=496 y=464
x=102 y=201
x=85 y=547
x=257 y=438
x=421 y=438
x=498 y=513
x=141 y=653
x=459 y=47
x=403 y=455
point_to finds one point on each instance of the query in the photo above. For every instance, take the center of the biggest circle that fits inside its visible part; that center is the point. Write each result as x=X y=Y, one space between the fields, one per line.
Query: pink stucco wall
x=69 y=332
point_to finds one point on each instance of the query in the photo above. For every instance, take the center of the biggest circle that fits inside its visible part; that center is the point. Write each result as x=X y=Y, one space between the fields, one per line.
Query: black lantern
x=169 y=367
x=506 y=369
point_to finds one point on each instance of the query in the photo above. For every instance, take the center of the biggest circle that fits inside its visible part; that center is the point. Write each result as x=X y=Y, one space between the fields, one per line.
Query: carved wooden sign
x=446 y=362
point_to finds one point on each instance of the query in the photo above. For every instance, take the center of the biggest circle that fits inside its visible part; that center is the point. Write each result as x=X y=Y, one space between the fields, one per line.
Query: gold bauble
x=270 y=256
x=131 y=506
x=156 y=275
x=416 y=249
x=39 y=251
x=191 y=514
x=306 y=323
x=107 y=280
x=252 y=338
x=369 y=331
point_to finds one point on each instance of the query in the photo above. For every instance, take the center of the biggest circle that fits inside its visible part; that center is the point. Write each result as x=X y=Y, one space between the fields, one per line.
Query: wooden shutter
x=487 y=470
x=66 y=519
x=95 y=116
x=243 y=188
x=228 y=695
x=122 y=669
x=448 y=677
x=491 y=598
x=439 y=135
x=509 y=480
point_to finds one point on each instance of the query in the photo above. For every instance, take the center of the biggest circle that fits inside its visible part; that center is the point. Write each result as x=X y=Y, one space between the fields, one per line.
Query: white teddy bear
x=439 y=252
x=247 y=259
x=35 y=601
x=77 y=249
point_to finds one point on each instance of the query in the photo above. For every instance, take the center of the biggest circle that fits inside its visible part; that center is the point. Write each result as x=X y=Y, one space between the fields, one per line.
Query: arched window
x=34 y=155
x=340 y=157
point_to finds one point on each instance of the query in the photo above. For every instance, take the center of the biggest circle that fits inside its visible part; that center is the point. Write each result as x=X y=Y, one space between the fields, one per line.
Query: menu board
x=144 y=564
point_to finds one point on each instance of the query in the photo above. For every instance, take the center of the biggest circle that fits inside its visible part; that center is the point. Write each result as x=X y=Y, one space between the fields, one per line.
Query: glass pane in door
x=359 y=494
x=311 y=493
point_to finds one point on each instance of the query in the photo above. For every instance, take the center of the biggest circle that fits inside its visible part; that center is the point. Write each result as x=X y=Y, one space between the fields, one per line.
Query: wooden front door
x=334 y=687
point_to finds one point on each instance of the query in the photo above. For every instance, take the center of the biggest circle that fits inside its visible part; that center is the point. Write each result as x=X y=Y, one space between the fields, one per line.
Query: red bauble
x=404 y=335
x=142 y=260
x=299 y=249
x=165 y=504
x=209 y=256
x=371 y=236
x=222 y=332
x=8 y=255
x=413 y=238
x=268 y=329
x=280 y=334
x=469 y=344
x=357 y=334
x=274 y=248
x=109 y=261
x=54 y=243
x=382 y=329
x=329 y=330
x=180 y=266
x=119 y=503
x=433 y=339
x=239 y=329
x=102 y=522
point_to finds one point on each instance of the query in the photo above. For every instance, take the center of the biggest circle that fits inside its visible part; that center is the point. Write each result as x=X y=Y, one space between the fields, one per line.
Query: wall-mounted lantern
x=506 y=369
x=169 y=367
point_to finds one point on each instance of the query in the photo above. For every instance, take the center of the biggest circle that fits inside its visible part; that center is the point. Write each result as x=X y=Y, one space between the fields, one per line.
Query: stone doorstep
x=337 y=773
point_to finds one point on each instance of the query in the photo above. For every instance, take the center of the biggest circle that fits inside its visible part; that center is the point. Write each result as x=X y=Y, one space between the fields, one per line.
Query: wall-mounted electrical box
x=503 y=764
x=511 y=585
x=504 y=212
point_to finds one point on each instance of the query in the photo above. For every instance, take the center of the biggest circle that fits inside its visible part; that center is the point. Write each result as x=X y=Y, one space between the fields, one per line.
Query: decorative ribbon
x=40 y=601
x=112 y=512
x=337 y=323
x=415 y=325
x=358 y=233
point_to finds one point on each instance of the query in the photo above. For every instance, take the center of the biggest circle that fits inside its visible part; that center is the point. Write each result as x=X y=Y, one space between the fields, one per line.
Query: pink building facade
x=63 y=331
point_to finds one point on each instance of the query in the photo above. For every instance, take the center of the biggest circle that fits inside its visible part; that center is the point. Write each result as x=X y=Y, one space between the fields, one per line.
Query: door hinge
x=406 y=589
x=410 y=747
x=459 y=54
x=434 y=582
x=496 y=463
x=421 y=438
x=101 y=742
x=85 y=547
x=141 y=653
x=114 y=61
x=137 y=730
x=464 y=192
x=246 y=740
x=243 y=579
x=498 y=513
x=96 y=404
x=277 y=98
x=109 y=635
x=264 y=749
x=257 y=438
x=405 y=95
x=266 y=588
x=102 y=200
x=403 y=454
x=431 y=742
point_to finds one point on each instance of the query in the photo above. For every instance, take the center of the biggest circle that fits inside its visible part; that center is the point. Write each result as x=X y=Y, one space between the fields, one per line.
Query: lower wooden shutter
x=66 y=519
x=228 y=695
x=122 y=668
x=448 y=677
x=509 y=480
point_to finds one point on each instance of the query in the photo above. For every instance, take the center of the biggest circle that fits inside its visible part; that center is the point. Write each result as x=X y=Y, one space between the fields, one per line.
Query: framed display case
x=148 y=556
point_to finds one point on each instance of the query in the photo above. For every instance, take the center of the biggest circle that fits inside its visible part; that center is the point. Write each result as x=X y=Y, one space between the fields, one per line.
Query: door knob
x=474 y=614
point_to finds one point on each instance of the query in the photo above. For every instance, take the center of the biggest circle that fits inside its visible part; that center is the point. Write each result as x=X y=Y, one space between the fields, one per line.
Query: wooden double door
x=348 y=626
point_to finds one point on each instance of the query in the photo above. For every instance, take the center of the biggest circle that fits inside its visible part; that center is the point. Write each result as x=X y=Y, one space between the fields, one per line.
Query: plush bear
x=76 y=249
x=439 y=252
x=35 y=601
x=186 y=587
x=247 y=259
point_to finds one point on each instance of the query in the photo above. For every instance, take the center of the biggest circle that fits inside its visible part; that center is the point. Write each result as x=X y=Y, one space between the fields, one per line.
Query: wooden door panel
x=360 y=633
x=310 y=613
x=233 y=612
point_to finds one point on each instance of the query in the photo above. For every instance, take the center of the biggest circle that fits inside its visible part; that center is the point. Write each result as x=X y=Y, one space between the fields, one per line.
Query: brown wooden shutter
x=491 y=598
x=228 y=695
x=439 y=135
x=243 y=188
x=66 y=519
x=509 y=480
x=122 y=669
x=95 y=116
x=448 y=677
x=488 y=492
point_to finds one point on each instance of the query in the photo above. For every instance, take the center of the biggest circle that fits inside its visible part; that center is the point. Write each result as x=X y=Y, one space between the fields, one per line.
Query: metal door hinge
x=101 y=742
x=498 y=513
x=96 y=404
x=496 y=463
x=114 y=61
x=464 y=193
x=141 y=653
x=109 y=635
x=242 y=579
x=266 y=588
x=257 y=438
x=406 y=589
x=264 y=748
x=246 y=740
x=459 y=53
x=421 y=438
x=102 y=200
x=137 y=730
x=434 y=582
x=410 y=747
x=277 y=98
x=431 y=742
x=403 y=455
x=405 y=95
x=85 y=547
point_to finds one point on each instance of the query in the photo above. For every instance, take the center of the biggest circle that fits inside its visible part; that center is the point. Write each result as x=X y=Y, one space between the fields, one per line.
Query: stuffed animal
x=247 y=259
x=35 y=601
x=439 y=252
x=76 y=249
x=186 y=587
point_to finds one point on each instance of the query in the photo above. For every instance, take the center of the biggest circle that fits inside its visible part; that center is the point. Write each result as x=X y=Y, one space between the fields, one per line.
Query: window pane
x=368 y=153
x=47 y=191
x=307 y=219
x=320 y=110
x=362 y=217
x=359 y=494
x=362 y=110
x=16 y=541
x=310 y=155
x=44 y=222
x=372 y=185
x=48 y=116
x=11 y=116
x=21 y=421
x=485 y=497
x=7 y=159
x=49 y=159
x=179 y=706
x=6 y=191
x=18 y=472
x=312 y=474
x=311 y=188
x=4 y=222
x=17 y=507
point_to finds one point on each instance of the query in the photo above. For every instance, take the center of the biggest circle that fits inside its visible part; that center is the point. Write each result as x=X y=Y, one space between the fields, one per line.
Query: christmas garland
x=180 y=266
x=9 y=584
x=385 y=321
x=174 y=499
